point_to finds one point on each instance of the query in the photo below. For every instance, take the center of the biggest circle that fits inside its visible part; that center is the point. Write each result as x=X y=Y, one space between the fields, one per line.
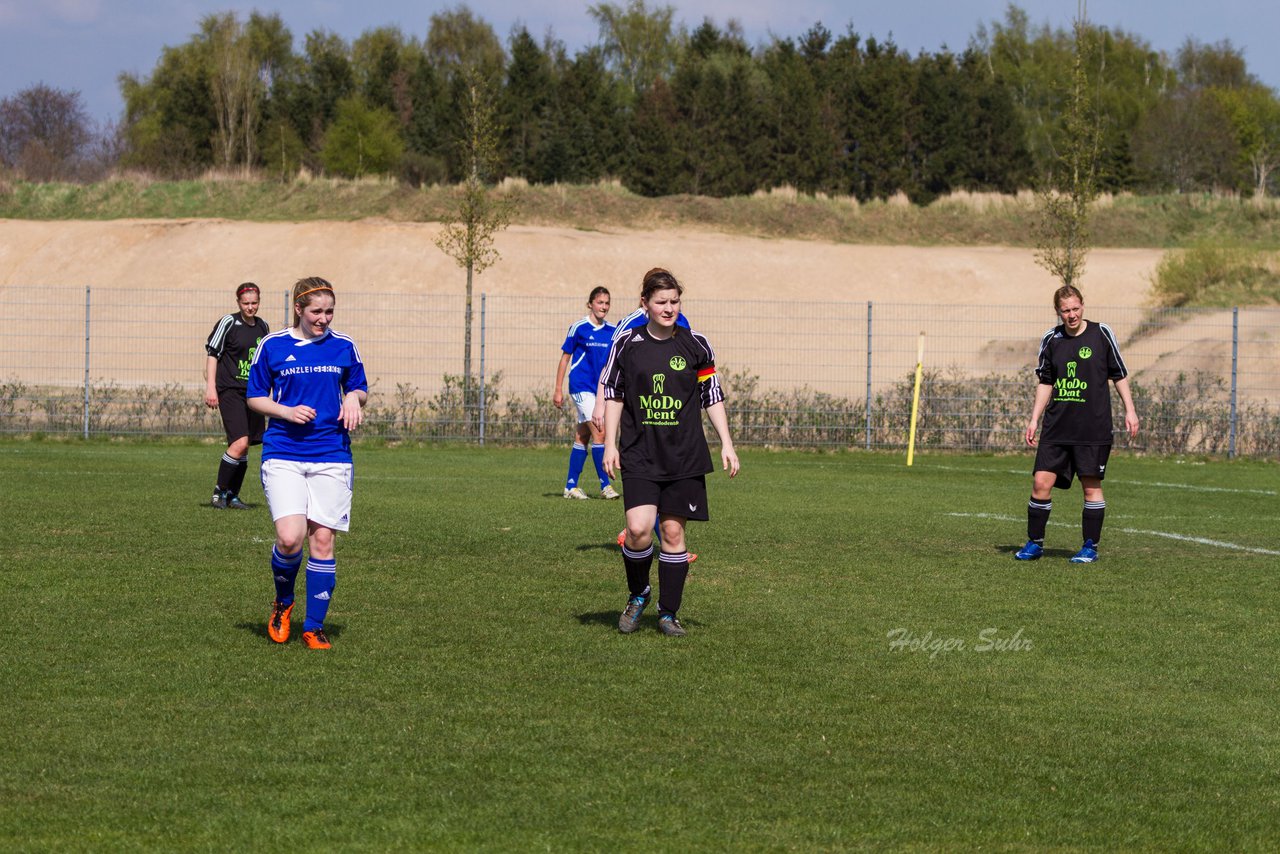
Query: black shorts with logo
x=238 y=419
x=685 y=498
x=1070 y=461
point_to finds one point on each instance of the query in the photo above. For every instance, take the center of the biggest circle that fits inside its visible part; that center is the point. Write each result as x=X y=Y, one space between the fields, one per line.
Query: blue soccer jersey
x=588 y=348
x=640 y=317
x=317 y=372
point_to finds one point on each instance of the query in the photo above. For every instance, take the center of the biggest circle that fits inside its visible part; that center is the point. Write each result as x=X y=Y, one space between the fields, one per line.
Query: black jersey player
x=1077 y=358
x=657 y=382
x=230 y=350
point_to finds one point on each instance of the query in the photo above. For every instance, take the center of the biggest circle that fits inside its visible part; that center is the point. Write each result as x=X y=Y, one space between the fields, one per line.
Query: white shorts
x=585 y=401
x=319 y=491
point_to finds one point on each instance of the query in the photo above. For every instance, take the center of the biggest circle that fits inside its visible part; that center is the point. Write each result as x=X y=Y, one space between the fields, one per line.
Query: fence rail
x=104 y=361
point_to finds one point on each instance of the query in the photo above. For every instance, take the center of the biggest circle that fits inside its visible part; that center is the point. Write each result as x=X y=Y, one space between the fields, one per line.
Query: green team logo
x=677 y=363
x=660 y=408
x=1085 y=352
x=1069 y=389
x=243 y=365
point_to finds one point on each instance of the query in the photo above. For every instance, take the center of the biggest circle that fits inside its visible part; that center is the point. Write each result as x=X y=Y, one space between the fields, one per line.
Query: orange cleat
x=622 y=536
x=316 y=639
x=692 y=558
x=278 y=625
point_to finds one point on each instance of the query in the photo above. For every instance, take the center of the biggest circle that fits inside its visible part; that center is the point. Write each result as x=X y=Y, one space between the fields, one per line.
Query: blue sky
x=85 y=44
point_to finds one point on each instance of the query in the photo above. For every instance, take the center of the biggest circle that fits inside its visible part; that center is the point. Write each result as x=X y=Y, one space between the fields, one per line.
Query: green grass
x=963 y=219
x=478 y=694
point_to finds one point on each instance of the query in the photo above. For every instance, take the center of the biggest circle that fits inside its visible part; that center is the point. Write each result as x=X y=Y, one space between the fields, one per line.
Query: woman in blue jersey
x=583 y=354
x=310 y=381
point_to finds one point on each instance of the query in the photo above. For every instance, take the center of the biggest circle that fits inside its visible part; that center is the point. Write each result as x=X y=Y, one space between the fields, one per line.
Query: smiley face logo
x=1085 y=352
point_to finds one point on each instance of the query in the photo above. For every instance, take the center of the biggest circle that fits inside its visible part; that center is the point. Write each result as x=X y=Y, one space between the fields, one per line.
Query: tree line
x=666 y=109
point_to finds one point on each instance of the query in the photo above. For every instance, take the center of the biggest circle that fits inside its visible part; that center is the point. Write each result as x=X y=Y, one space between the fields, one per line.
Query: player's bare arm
x=1043 y=393
x=352 y=413
x=300 y=414
x=1130 y=413
x=720 y=421
x=612 y=420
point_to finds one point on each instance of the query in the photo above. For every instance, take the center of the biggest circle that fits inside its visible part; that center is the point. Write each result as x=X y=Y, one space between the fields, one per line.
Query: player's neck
x=660 y=333
x=1084 y=324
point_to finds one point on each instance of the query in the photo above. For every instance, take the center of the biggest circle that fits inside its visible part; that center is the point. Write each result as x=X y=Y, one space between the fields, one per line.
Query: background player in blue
x=1076 y=359
x=658 y=381
x=583 y=354
x=229 y=351
x=310 y=381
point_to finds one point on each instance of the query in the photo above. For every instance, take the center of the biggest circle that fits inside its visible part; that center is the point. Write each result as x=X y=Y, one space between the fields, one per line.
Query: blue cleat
x=630 y=619
x=1031 y=551
x=1088 y=553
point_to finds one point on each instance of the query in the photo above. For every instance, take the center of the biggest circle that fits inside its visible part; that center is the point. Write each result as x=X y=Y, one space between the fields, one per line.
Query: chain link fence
x=99 y=361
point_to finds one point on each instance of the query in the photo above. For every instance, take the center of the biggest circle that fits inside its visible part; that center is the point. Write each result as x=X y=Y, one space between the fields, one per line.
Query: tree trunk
x=466 y=355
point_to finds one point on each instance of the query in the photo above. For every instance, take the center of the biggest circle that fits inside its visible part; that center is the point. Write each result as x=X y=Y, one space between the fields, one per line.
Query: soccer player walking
x=583 y=354
x=230 y=348
x=657 y=382
x=1077 y=357
x=311 y=382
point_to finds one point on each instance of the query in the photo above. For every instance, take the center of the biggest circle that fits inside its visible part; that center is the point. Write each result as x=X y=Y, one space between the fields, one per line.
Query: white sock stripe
x=671 y=557
x=330 y=569
x=287 y=560
x=227 y=458
x=626 y=552
x=578 y=446
x=1095 y=505
x=1040 y=505
x=597 y=444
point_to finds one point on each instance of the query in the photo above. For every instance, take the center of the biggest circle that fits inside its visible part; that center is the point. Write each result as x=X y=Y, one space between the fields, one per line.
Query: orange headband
x=312 y=291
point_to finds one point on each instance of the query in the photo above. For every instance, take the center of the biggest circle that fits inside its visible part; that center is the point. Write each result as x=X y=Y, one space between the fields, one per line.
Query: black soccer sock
x=673 y=569
x=237 y=477
x=1091 y=520
x=227 y=472
x=1038 y=518
x=637 y=564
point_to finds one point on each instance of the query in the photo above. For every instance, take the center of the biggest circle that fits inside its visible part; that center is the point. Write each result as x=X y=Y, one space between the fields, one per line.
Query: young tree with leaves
x=478 y=214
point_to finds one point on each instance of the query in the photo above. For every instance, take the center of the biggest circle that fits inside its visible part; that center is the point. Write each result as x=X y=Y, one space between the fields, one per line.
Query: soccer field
x=866 y=664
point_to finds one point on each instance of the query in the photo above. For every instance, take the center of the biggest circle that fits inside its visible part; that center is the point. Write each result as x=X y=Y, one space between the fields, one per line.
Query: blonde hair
x=304 y=291
x=1064 y=293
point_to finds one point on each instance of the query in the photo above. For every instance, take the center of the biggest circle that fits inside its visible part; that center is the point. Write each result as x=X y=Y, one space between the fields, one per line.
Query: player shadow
x=260 y=629
x=597 y=547
x=1051 y=553
x=609 y=619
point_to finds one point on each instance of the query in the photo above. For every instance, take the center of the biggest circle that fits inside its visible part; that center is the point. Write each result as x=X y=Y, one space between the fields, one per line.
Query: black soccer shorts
x=1070 y=461
x=686 y=498
x=238 y=419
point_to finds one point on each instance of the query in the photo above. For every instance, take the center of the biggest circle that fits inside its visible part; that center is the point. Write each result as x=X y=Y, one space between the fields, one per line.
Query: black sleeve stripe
x=705 y=345
x=218 y=338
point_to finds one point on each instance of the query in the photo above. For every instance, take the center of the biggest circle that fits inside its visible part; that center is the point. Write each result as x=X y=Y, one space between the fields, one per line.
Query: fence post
x=482 y=412
x=86 y=361
x=1235 y=353
x=288 y=320
x=868 y=375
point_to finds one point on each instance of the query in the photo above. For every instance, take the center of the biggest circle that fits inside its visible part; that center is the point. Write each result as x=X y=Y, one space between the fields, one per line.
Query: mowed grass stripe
x=479 y=695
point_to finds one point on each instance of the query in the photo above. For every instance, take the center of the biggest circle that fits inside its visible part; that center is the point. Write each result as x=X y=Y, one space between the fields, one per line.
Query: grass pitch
x=866 y=665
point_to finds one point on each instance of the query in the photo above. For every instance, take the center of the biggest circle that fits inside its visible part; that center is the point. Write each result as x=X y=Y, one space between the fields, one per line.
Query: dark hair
x=304 y=291
x=658 y=279
x=1066 y=292
x=597 y=291
x=247 y=286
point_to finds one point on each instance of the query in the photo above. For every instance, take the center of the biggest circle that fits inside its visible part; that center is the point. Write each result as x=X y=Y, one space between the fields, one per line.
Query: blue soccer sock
x=285 y=569
x=597 y=456
x=577 y=457
x=321 y=577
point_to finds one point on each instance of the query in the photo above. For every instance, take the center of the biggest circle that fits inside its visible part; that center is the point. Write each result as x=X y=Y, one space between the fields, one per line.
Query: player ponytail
x=304 y=292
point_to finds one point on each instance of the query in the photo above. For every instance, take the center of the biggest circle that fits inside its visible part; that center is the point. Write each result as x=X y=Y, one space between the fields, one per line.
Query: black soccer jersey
x=1079 y=410
x=664 y=385
x=233 y=343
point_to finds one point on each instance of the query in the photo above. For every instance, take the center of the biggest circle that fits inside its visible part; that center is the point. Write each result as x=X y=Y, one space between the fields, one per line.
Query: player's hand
x=558 y=398
x=1131 y=424
x=211 y=399
x=612 y=464
x=1031 y=434
x=597 y=416
x=729 y=458
x=352 y=414
x=301 y=414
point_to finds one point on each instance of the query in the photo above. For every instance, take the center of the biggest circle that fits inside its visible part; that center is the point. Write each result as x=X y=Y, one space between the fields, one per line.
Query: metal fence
x=105 y=361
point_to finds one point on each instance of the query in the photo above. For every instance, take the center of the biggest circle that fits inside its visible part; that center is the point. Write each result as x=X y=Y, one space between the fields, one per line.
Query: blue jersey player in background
x=583 y=354
x=310 y=381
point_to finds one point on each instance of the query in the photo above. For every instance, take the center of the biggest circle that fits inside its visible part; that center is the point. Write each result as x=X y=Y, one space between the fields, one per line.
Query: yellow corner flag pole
x=915 y=400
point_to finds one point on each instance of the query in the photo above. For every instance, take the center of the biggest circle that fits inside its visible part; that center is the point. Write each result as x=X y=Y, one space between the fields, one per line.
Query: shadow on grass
x=1048 y=553
x=260 y=629
x=597 y=547
x=609 y=619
